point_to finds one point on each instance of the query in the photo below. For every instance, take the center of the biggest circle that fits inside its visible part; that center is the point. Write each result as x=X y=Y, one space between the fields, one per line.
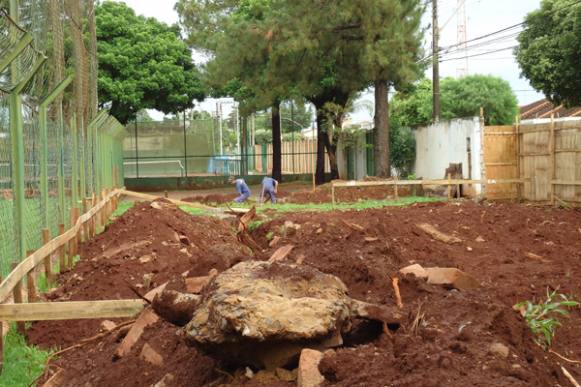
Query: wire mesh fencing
x=55 y=147
x=216 y=146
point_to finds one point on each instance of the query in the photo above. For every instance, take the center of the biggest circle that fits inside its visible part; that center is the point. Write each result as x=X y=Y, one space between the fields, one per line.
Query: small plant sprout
x=543 y=318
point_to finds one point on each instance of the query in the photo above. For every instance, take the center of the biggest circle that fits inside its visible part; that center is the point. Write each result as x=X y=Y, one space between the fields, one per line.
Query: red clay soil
x=322 y=194
x=208 y=243
x=449 y=343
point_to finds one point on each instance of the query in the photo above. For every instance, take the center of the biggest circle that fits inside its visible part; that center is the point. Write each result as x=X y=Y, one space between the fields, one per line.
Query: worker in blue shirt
x=241 y=188
x=270 y=188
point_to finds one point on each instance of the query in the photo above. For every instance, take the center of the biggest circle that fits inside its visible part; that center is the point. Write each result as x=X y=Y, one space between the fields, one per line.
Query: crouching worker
x=241 y=188
x=270 y=188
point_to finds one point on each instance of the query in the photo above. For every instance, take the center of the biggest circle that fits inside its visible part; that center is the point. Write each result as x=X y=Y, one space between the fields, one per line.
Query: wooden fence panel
x=536 y=163
x=297 y=157
x=568 y=163
x=500 y=160
x=547 y=156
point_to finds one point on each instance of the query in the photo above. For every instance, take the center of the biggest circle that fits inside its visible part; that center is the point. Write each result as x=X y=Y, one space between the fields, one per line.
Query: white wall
x=443 y=143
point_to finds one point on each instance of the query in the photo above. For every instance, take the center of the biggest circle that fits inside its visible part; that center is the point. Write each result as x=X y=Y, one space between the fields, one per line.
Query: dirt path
x=450 y=342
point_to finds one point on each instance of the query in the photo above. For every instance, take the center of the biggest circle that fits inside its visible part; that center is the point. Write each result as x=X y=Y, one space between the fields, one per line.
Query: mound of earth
x=446 y=336
x=142 y=249
x=322 y=194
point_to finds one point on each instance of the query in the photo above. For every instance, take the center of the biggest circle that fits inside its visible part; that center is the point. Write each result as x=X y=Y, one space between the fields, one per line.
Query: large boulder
x=263 y=313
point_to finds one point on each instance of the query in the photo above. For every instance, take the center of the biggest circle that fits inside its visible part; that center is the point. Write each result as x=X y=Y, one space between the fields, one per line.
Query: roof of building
x=544 y=108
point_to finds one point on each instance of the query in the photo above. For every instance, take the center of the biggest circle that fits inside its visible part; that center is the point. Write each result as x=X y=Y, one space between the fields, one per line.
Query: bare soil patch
x=447 y=334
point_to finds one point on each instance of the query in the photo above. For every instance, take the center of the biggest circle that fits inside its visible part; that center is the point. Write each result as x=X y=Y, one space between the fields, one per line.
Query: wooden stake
x=30 y=282
x=85 y=226
x=47 y=261
x=17 y=294
x=74 y=247
x=62 y=250
x=333 y=193
x=93 y=231
x=449 y=186
x=395 y=188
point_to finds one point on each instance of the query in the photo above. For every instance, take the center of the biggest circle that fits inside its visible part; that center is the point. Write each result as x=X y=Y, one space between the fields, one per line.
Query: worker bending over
x=270 y=188
x=241 y=188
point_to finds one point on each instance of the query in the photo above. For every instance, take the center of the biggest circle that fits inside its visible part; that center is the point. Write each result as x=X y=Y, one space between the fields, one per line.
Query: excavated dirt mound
x=322 y=194
x=448 y=336
x=449 y=333
x=159 y=244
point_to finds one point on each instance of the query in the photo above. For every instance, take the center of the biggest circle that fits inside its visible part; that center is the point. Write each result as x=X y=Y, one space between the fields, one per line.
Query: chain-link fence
x=55 y=148
x=216 y=145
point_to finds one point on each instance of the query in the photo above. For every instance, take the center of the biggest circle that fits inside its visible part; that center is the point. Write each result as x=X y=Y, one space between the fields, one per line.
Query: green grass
x=357 y=206
x=273 y=209
x=122 y=207
x=22 y=363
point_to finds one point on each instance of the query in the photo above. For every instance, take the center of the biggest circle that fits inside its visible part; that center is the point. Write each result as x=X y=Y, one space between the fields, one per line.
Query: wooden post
x=102 y=219
x=31 y=283
x=519 y=187
x=62 y=250
x=47 y=260
x=395 y=188
x=74 y=247
x=92 y=225
x=85 y=226
x=449 y=186
x=17 y=294
x=333 y=192
x=552 y=161
x=165 y=195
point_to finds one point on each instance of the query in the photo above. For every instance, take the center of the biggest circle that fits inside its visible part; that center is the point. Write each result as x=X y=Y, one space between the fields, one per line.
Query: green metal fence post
x=75 y=162
x=43 y=128
x=17 y=142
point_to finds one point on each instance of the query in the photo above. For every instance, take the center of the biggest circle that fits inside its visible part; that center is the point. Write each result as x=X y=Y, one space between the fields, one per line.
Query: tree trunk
x=331 y=148
x=320 y=171
x=276 y=143
x=382 y=165
x=244 y=145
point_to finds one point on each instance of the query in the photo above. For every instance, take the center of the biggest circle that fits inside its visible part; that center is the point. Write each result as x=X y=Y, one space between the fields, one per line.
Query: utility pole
x=435 y=62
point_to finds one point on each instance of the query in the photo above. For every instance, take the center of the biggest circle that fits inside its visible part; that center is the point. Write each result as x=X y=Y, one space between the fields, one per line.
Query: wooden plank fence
x=547 y=156
x=297 y=157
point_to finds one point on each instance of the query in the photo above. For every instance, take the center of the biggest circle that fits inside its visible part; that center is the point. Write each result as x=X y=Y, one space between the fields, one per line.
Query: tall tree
x=460 y=98
x=238 y=69
x=549 y=50
x=143 y=64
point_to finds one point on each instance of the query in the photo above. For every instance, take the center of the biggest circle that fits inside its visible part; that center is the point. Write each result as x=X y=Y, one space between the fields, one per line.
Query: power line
x=483 y=53
x=446 y=49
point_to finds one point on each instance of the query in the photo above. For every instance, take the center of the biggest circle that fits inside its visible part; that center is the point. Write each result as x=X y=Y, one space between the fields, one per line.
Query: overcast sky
x=483 y=17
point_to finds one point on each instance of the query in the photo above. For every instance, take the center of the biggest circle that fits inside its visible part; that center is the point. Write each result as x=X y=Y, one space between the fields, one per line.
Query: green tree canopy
x=459 y=98
x=143 y=64
x=549 y=51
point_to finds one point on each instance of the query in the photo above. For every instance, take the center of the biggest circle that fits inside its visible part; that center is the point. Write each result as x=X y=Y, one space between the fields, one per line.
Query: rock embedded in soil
x=499 y=350
x=264 y=313
x=309 y=375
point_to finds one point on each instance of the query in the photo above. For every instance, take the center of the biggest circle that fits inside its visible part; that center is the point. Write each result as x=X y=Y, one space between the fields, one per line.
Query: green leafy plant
x=543 y=318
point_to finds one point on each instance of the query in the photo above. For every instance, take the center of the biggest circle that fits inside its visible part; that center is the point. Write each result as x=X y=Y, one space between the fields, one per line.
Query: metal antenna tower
x=462 y=22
